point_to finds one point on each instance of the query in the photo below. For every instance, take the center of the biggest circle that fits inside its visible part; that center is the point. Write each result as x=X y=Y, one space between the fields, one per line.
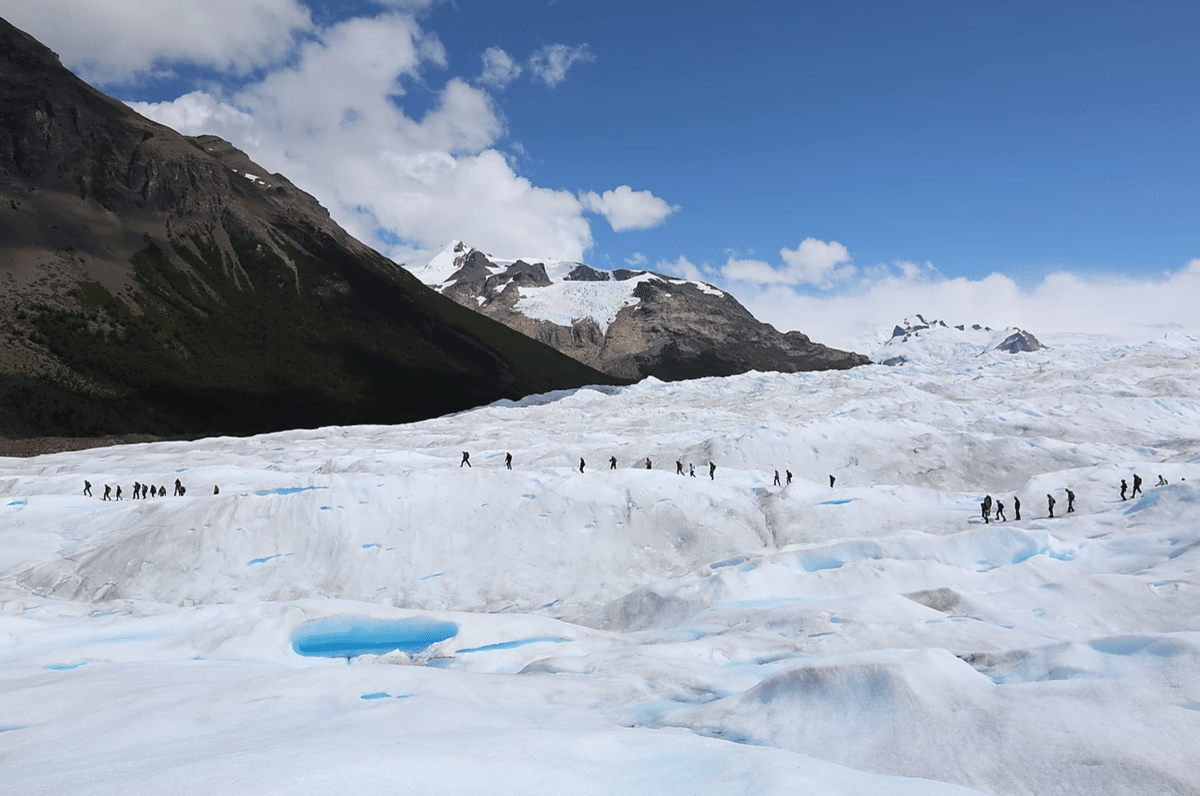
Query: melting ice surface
x=346 y=636
x=630 y=630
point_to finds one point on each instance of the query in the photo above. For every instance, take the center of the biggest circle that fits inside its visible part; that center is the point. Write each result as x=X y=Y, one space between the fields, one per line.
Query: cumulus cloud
x=499 y=68
x=636 y=260
x=813 y=262
x=628 y=209
x=1113 y=308
x=334 y=122
x=681 y=267
x=119 y=41
x=550 y=64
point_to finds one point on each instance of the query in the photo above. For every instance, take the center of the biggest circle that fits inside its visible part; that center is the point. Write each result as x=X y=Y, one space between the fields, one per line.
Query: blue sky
x=816 y=158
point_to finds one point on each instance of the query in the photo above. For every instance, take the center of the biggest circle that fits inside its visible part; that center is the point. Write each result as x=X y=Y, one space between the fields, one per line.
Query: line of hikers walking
x=987 y=504
x=141 y=491
x=612 y=465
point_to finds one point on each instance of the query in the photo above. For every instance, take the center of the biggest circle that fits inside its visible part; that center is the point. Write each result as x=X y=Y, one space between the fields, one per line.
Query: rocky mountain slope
x=158 y=283
x=629 y=324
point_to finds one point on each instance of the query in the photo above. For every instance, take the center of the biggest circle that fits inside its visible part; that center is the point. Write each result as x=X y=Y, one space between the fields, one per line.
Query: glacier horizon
x=630 y=631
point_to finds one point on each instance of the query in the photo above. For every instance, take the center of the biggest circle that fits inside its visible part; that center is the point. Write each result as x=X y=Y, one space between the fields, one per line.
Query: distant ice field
x=355 y=611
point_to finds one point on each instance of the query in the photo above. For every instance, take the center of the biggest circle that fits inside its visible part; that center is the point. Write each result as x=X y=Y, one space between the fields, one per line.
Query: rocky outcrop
x=156 y=283
x=629 y=324
x=918 y=339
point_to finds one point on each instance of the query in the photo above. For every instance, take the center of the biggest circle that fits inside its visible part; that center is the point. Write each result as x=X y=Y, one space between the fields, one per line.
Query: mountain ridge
x=627 y=323
x=162 y=284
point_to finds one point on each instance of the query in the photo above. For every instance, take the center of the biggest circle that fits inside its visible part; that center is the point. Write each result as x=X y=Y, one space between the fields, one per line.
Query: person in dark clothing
x=1070 y=501
x=831 y=480
x=712 y=470
x=612 y=462
x=1000 y=512
x=581 y=463
x=1161 y=481
x=107 y=492
x=182 y=490
x=466 y=459
x=507 y=460
x=776 y=478
x=1137 y=484
x=118 y=491
x=1124 y=488
x=162 y=491
x=789 y=476
x=177 y=485
x=987 y=509
x=678 y=467
x=1016 y=507
x=648 y=463
x=216 y=490
x=1050 y=504
x=87 y=487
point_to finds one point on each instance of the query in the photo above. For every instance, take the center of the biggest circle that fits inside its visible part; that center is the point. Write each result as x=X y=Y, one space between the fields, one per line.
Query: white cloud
x=333 y=122
x=813 y=262
x=636 y=260
x=753 y=271
x=1118 y=309
x=551 y=63
x=117 y=41
x=681 y=267
x=628 y=209
x=499 y=69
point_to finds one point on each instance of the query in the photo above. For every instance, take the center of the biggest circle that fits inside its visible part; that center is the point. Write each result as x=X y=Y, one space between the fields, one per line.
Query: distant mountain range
x=918 y=339
x=156 y=283
x=627 y=323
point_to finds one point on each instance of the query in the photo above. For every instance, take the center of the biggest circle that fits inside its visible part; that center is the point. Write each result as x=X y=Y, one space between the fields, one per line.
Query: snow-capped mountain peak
x=919 y=339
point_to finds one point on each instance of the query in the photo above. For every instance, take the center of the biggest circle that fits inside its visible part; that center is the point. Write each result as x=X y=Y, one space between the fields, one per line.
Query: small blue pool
x=347 y=636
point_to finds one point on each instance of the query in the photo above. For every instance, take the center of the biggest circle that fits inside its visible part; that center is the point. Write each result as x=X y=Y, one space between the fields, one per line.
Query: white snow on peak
x=562 y=302
x=919 y=339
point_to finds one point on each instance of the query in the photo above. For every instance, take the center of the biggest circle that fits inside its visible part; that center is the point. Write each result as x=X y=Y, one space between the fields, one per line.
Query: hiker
x=216 y=490
x=648 y=463
x=507 y=461
x=137 y=490
x=612 y=462
x=107 y=490
x=178 y=485
x=466 y=459
x=1017 y=507
x=182 y=490
x=1070 y=501
x=712 y=469
x=691 y=470
x=789 y=476
x=1161 y=481
x=678 y=467
x=1137 y=484
x=1124 y=487
x=87 y=487
x=118 y=491
x=984 y=511
x=776 y=478
x=162 y=491
x=1050 y=504
x=581 y=463
x=831 y=480
x=1000 y=512
x=987 y=509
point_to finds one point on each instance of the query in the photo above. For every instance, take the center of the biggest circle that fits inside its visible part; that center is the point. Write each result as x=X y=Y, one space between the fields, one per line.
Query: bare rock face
x=628 y=324
x=157 y=283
